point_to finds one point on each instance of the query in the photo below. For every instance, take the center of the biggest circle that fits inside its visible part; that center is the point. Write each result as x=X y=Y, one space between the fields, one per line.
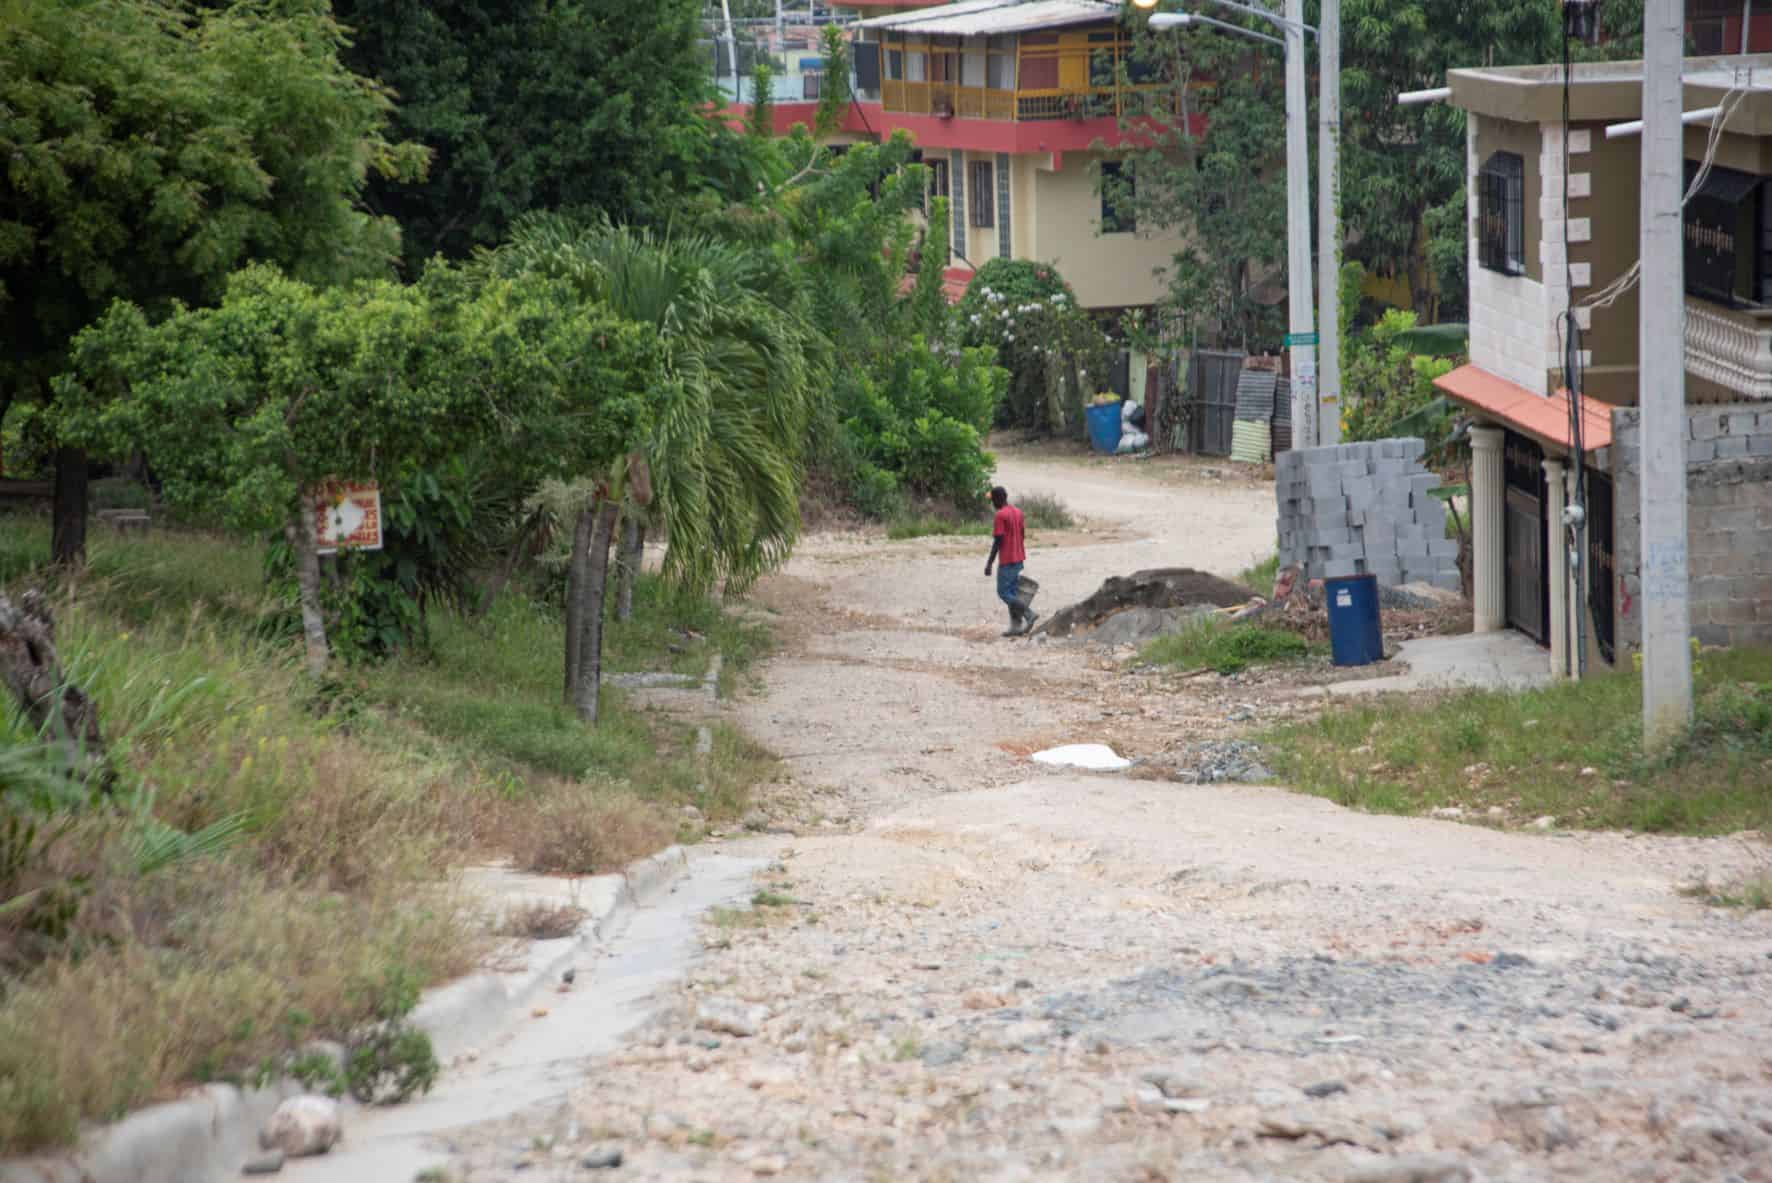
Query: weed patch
x=1572 y=751
x=1227 y=649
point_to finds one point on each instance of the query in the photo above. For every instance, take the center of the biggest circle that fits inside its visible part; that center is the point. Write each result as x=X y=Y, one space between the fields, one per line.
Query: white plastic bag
x=1133 y=441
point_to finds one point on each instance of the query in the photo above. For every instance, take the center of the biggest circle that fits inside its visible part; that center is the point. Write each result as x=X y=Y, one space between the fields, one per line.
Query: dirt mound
x=1162 y=589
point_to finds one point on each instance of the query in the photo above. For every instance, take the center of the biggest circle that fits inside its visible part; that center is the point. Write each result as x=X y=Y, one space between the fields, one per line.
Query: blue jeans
x=1008 y=582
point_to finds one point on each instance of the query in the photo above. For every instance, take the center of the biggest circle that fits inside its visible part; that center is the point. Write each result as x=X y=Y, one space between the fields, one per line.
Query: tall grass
x=274 y=862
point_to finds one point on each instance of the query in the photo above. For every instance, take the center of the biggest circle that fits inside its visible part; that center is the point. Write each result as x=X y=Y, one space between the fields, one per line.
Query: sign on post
x=346 y=516
x=1300 y=339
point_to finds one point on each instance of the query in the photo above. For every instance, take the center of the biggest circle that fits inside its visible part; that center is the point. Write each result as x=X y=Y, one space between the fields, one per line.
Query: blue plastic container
x=1355 y=637
x=1104 y=427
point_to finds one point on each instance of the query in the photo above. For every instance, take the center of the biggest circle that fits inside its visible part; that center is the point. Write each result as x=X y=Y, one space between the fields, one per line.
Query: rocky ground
x=961 y=966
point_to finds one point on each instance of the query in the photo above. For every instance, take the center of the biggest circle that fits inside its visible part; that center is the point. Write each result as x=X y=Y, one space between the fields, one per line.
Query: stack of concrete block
x=1364 y=509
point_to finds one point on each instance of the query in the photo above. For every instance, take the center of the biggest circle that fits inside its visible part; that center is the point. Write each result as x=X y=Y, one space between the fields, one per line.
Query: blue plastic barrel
x=1104 y=427
x=1355 y=637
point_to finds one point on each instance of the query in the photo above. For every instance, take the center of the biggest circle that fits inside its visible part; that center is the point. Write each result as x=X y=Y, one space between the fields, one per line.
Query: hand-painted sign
x=346 y=516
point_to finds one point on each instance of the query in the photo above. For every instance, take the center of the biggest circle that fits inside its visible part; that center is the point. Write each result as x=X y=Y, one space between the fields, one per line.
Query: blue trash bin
x=1104 y=427
x=1355 y=637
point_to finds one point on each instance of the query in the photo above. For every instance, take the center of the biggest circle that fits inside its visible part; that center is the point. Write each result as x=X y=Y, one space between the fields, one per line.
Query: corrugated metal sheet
x=985 y=18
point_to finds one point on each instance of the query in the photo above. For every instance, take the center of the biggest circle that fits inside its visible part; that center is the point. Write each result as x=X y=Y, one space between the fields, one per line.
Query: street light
x=1316 y=417
x=1186 y=20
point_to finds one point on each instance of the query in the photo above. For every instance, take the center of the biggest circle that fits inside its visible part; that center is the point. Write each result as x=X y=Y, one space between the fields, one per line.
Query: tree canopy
x=577 y=106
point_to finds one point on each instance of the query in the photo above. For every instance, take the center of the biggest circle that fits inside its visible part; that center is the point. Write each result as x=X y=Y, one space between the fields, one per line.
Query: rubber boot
x=1016 y=627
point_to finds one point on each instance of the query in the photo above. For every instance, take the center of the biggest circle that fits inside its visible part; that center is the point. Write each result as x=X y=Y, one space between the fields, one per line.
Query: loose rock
x=304 y=1125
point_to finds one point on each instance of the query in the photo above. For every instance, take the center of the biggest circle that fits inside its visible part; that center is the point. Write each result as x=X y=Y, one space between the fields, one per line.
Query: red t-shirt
x=1009 y=527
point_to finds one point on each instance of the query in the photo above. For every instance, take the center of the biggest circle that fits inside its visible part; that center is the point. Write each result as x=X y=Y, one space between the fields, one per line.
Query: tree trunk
x=59 y=710
x=577 y=572
x=632 y=554
x=307 y=581
x=67 y=542
x=596 y=587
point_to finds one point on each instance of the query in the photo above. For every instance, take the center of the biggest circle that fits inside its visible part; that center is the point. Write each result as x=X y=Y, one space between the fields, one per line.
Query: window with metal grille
x=1724 y=225
x=981 y=195
x=1501 y=214
x=1118 y=190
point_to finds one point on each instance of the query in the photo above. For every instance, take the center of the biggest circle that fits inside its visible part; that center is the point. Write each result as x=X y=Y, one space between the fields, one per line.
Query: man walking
x=1009 y=548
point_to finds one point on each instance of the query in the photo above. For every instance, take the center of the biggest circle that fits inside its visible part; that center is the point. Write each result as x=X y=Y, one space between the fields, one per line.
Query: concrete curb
x=208 y=1135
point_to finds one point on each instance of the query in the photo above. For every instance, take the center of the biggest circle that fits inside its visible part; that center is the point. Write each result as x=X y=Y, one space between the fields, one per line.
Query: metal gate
x=1212 y=400
x=1528 y=587
x=1602 y=579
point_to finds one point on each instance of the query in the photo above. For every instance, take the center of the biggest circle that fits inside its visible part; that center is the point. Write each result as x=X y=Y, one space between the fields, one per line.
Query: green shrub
x=1389 y=391
x=919 y=418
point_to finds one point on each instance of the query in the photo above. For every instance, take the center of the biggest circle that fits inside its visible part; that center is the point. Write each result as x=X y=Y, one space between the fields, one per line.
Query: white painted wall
x=1512 y=326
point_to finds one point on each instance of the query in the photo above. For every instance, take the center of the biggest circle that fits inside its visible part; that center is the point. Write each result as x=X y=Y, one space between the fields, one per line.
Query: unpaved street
x=964 y=967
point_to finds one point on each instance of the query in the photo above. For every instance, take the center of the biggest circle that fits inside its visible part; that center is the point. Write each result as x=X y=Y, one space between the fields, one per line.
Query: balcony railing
x=1731 y=348
x=1050 y=81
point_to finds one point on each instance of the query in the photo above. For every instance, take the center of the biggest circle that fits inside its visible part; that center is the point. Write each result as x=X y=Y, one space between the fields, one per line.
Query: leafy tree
x=1403 y=168
x=151 y=150
x=245 y=407
x=1390 y=389
x=740 y=365
x=532 y=105
x=1226 y=189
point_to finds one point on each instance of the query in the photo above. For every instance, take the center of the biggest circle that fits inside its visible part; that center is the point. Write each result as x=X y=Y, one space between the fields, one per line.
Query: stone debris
x=302 y=1126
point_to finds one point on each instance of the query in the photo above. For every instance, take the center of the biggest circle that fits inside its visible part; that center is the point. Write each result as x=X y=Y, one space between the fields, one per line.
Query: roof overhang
x=989 y=18
x=1613 y=91
x=1543 y=417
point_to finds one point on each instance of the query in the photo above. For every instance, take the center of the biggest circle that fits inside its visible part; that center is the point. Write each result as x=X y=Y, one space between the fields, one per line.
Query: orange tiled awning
x=1544 y=418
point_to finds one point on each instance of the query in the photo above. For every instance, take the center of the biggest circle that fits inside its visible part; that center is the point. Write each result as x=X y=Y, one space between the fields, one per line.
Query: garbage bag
x=1133 y=441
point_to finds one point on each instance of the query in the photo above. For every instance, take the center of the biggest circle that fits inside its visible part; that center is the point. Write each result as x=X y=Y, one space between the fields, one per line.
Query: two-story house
x=1553 y=210
x=1015 y=106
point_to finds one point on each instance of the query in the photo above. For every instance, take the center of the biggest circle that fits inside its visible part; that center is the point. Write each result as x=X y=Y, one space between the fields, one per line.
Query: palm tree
x=742 y=362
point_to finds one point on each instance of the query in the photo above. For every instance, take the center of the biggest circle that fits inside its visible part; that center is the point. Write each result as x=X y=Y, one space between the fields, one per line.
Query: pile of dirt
x=1160 y=591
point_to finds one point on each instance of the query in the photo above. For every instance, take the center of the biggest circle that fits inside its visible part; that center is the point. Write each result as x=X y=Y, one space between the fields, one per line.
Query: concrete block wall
x=1366 y=508
x=1728 y=522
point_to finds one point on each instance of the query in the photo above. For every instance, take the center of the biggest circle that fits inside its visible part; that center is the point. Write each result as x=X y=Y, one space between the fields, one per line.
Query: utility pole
x=732 y=54
x=1667 y=616
x=1301 y=337
x=1329 y=222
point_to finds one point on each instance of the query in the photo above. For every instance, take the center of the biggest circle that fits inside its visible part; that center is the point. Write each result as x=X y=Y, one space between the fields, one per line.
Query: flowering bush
x=1049 y=345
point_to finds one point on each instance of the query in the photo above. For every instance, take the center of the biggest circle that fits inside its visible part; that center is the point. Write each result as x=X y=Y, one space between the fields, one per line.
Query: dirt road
x=964 y=967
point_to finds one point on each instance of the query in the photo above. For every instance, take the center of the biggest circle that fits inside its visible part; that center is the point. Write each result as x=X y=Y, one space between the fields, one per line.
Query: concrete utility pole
x=1329 y=221
x=1301 y=336
x=1667 y=616
x=732 y=53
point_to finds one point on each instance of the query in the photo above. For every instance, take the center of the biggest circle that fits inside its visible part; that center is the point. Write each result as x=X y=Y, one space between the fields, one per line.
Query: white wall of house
x=1512 y=331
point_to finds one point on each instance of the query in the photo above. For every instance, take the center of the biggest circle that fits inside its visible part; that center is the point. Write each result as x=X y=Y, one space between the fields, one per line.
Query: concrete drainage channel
x=507 y=1039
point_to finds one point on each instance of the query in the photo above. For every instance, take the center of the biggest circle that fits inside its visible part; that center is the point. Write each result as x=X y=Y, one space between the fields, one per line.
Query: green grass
x=1041 y=510
x=1572 y=751
x=1260 y=577
x=1226 y=648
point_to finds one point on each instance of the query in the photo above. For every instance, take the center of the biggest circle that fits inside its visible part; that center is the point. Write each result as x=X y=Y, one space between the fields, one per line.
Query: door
x=1528 y=587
